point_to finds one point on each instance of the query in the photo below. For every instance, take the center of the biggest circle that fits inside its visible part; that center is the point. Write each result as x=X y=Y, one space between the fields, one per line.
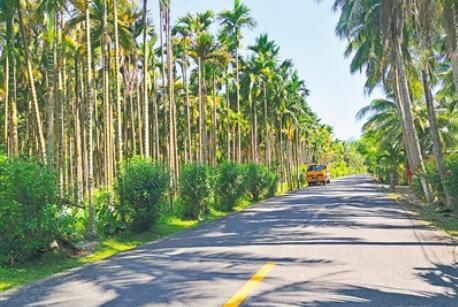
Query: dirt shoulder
x=431 y=214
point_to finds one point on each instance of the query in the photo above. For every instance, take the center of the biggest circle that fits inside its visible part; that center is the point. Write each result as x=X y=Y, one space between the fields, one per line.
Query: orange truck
x=318 y=174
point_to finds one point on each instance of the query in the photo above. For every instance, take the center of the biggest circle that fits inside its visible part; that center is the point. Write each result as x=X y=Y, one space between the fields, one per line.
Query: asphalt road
x=343 y=244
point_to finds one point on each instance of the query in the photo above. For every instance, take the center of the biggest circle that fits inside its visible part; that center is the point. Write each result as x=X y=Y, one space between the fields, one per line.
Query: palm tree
x=92 y=230
x=184 y=28
x=234 y=21
x=31 y=80
x=383 y=20
x=449 y=10
x=392 y=16
x=423 y=18
x=145 y=81
x=203 y=48
x=117 y=84
x=7 y=11
x=267 y=53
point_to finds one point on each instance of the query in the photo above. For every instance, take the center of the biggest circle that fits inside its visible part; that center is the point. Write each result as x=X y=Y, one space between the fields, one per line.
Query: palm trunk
x=7 y=98
x=266 y=127
x=138 y=116
x=31 y=79
x=411 y=136
x=297 y=157
x=228 y=125
x=282 y=164
x=173 y=151
x=106 y=98
x=437 y=146
x=51 y=57
x=92 y=230
x=202 y=129
x=14 y=139
x=214 y=123
x=188 y=141
x=451 y=17
x=119 y=140
x=78 y=141
x=237 y=80
x=163 y=76
x=254 y=127
x=156 y=145
x=145 y=81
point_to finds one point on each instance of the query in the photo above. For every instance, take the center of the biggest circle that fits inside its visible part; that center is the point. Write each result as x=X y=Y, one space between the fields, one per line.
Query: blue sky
x=304 y=29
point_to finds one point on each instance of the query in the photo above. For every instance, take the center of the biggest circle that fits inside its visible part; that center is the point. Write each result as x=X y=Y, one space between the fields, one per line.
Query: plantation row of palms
x=87 y=84
x=409 y=48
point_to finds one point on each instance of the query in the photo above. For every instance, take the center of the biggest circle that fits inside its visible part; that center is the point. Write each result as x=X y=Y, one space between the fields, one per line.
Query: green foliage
x=345 y=159
x=28 y=211
x=339 y=169
x=452 y=178
x=258 y=180
x=109 y=218
x=229 y=185
x=140 y=186
x=433 y=178
x=194 y=190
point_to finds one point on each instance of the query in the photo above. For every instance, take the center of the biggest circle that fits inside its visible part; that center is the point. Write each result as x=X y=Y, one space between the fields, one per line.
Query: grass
x=447 y=223
x=52 y=262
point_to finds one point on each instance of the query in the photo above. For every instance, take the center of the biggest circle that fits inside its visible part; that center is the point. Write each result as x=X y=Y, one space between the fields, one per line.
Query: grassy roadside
x=52 y=262
x=430 y=214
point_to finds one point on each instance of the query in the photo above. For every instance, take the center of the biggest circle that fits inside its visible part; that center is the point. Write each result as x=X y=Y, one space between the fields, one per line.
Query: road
x=344 y=244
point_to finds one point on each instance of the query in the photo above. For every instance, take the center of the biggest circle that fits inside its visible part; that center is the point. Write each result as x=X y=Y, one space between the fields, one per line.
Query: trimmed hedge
x=195 y=190
x=258 y=180
x=229 y=185
x=141 y=185
x=29 y=216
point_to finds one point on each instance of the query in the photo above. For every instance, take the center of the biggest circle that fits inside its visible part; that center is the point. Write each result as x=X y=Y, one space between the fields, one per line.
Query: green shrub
x=258 y=180
x=433 y=178
x=109 y=216
x=452 y=178
x=274 y=186
x=140 y=186
x=28 y=211
x=229 y=185
x=194 y=190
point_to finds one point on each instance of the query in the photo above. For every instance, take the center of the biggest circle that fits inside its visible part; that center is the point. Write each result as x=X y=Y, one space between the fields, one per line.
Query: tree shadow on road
x=444 y=277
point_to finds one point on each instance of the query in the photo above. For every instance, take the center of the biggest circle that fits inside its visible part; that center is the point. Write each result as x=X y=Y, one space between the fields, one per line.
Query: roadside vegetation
x=410 y=136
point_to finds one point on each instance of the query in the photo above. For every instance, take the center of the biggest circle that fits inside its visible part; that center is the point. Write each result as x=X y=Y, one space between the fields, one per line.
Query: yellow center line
x=250 y=285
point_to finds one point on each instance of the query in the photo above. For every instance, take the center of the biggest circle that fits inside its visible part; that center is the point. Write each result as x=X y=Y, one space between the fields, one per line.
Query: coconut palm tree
x=385 y=20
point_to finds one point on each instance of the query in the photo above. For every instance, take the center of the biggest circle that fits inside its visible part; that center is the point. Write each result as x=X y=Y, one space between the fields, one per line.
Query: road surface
x=343 y=244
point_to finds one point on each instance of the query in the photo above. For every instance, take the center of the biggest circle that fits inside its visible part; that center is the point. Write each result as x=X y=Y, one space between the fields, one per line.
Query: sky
x=305 y=32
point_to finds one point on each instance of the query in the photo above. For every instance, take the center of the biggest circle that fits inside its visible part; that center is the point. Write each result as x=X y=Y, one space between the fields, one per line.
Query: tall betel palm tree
x=234 y=21
x=267 y=53
x=90 y=102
